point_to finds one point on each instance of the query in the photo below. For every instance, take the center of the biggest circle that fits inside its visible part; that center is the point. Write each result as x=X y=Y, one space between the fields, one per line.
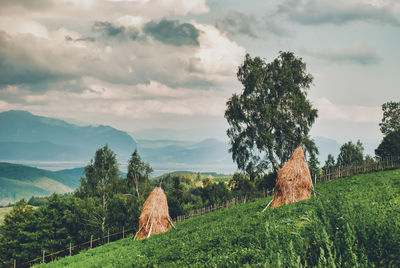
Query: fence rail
x=326 y=175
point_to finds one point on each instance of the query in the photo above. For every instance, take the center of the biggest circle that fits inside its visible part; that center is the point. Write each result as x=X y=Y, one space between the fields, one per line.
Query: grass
x=352 y=222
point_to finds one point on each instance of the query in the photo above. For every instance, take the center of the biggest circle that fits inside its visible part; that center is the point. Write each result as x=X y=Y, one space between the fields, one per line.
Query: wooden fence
x=346 y=171
x=326 y=175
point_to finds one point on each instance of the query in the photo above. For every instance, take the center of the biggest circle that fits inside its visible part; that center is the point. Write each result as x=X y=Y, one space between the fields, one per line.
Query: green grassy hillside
x=19 y=181
x=352 y=222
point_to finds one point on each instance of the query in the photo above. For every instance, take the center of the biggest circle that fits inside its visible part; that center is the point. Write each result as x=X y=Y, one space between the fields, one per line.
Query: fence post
x=123 y=232
x=70 y=249
x=91 y=241
x=15 y=263
x=43 y=256
x=108 y=236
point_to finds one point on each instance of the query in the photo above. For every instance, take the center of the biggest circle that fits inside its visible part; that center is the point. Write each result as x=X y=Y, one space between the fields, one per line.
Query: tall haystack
x=155 y=217
x=294 y=180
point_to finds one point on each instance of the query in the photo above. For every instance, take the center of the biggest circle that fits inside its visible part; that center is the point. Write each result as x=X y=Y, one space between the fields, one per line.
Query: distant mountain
x=179 y=134
x=19 y=181
x=24 y=136
x=326 y=146
x=209 y=151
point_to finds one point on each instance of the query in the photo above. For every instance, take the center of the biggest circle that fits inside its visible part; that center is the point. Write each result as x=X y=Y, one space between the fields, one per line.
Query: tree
x=313 y=165
x=100 y=183
x=390 y=145
x=391 y=117
x=329 y=163
x=272 y=116
x=241 y=184
x=16 y=236
x=138 y=172
x=351 y=154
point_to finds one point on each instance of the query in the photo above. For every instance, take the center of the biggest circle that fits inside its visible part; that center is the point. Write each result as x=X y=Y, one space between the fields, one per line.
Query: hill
x=24 y=136
x=19 y=181
x=351 y=222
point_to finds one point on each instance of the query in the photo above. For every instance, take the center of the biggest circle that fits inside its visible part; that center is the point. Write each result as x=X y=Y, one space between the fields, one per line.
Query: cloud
x=110 y=30
x=318 y=12
x=172 y=32
x=328 y=110
x=238 y=23
x=41 y=63
x=99 y=97
x=99 y=10
x=235 y=22
x=359 y=53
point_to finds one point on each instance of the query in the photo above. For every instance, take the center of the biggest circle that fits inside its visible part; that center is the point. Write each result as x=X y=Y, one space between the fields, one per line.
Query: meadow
x=351 y=222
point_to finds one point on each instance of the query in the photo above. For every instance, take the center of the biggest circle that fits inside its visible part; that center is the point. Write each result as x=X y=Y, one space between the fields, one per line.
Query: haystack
x=294 y=180
x=155 y=217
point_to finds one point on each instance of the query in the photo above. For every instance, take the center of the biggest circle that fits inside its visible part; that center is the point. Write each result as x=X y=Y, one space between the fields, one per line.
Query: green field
x=351 y=222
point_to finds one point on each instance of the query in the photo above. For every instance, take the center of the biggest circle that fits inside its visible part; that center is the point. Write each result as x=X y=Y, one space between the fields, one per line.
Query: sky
x=142 y=64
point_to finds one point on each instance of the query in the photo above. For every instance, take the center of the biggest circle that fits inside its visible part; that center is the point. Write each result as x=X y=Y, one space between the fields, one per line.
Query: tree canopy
x=390 y=145
x=138 y=172
x=272 y=115
x=351 y=154
x=391 y=117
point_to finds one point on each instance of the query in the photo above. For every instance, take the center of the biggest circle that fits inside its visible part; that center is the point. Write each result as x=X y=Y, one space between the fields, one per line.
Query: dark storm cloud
x=110 y=30
x=172 y=32
x=313 y=12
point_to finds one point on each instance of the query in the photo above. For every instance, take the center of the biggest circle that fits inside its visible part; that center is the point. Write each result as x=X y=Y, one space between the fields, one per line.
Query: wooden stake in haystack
x=294 y=180
x=155 y=217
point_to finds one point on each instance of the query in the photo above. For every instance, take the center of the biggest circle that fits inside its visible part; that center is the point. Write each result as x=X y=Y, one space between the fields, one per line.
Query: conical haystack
x=155 y=217
x=294 y=180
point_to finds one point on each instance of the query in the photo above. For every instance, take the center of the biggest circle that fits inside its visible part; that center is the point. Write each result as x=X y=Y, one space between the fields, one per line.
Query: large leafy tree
x=351 y=154
x=100 y=184
x=138 y=173
x=272 y=115
x=391 y=117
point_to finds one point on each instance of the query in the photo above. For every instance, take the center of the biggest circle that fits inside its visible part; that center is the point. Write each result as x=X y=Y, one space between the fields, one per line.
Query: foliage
x=241 y=185
x=353 y=222
x=272 y=116
x=313 y=165
x=266 y=182
x=329 y=163
x=138 y=173
x=390 y=145
x=99 y=185
x=351 y=154
x=391 y=118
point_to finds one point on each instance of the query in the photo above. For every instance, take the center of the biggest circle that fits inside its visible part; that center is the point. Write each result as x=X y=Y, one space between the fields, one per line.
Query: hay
x=294 y=180
x=155 y=217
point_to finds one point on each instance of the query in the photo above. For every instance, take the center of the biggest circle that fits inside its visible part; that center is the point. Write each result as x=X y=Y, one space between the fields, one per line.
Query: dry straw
x=294 y=180
x=155 y=217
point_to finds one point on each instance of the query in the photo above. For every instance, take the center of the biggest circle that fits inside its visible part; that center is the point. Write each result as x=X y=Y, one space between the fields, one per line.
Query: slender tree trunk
x=275 y=164
x=103 y=219
x=137 y=187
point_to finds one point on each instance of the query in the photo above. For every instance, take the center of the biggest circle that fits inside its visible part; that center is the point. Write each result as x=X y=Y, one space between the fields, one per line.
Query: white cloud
x=217 y=54
x=328 y=110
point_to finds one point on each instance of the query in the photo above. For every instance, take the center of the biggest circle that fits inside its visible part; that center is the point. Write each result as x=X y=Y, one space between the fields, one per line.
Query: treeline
x=104 y=202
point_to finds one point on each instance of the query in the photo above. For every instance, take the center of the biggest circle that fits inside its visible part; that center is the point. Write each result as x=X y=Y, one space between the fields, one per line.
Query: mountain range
x=24 y=136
